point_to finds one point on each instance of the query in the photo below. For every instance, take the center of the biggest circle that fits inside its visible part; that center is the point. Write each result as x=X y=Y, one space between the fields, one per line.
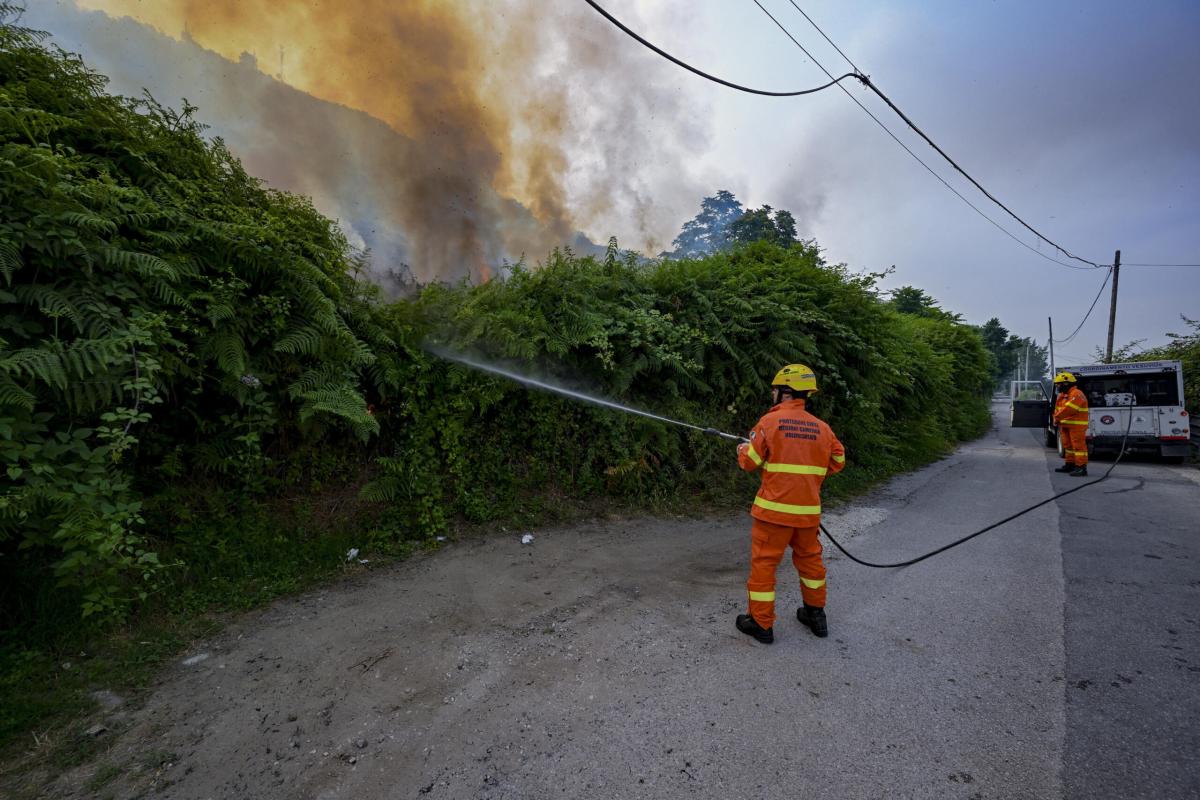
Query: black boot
x=1066 y=468
x=814 y=618
x=1080 y=472
x=747 y=625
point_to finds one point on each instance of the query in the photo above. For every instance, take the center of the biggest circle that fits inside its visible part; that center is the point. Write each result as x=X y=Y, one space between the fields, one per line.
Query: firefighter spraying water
x=795 y=452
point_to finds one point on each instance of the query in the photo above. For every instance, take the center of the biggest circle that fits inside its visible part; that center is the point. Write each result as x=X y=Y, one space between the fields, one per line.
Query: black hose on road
x=994 y=525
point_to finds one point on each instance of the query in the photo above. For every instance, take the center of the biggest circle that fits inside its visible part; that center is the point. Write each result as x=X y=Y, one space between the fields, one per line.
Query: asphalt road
x=1054 y=657
x=1131 y=559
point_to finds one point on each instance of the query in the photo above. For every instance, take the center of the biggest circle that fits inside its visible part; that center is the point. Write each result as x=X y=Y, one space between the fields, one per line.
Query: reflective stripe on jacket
x=1071 y=408
x=795 y=451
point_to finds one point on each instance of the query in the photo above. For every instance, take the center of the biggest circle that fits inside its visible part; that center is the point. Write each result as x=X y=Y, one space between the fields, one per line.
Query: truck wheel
x=1051 y=438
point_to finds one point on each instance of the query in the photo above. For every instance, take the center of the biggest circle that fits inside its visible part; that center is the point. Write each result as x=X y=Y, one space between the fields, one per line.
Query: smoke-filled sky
x=450 y=135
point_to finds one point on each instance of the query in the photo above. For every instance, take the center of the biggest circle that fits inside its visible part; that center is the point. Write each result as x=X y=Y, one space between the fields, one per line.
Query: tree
x=1010 y=353
x=911 y=300
x=785 y=223
x=708 y=231
x=994 y=335
x=1184 y=347
x=1029 y=357
x=760 y=225
x=755 y=225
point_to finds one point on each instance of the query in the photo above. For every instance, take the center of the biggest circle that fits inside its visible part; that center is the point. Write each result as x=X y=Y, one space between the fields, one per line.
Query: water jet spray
x=459 y=358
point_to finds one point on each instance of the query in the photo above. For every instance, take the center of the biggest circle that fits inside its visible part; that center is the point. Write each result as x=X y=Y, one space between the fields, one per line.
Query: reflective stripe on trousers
x=768 y=542
x=1074 y=441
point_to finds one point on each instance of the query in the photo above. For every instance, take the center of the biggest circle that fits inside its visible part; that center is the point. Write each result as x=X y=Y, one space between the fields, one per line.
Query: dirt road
x=601 y=661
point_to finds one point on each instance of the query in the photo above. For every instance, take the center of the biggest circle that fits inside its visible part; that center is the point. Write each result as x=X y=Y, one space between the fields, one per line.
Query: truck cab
x=1141 y=398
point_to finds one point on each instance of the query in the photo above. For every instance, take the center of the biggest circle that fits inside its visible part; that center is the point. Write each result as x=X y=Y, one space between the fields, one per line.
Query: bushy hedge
x=696 y=340
x=176 y=339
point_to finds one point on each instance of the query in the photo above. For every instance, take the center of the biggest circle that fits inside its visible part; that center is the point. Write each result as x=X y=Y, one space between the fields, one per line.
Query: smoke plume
x=507 y=127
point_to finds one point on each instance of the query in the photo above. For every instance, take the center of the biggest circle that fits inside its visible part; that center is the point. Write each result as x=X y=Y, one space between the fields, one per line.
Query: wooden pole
x=1112 y=307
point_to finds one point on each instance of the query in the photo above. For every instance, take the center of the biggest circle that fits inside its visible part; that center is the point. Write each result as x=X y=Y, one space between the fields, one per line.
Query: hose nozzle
x=724 y=435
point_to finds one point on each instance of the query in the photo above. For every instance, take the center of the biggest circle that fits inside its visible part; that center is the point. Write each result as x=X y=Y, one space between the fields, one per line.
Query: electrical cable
x=909 y=150
x=707 y=76
x=866 y=81
x=827 y=38
x=1091 y=308
x=994 y=525
x=854 y=66
x=837 y=81
x=831 y=42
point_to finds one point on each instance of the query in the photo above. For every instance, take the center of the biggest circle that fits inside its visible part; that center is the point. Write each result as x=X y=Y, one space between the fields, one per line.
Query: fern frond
x=144 y=264
x=314 y=379
x=384 y=489
x=49 y=301
x=305 y=341
x=39 y=363
x=220 y=311
x=85 y=357
x=10 y=260
x=168 y=239
x=93 y=223
x=13 y=395
x=230 y=352
x=344 y=402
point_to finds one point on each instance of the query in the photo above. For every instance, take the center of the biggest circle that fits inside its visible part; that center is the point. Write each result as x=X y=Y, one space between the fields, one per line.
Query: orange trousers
x=1074 y=439
x=767 y=545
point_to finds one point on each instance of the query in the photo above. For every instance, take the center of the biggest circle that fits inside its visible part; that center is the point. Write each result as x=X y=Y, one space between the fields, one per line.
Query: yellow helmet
x=1064 y=377
x=796 y=377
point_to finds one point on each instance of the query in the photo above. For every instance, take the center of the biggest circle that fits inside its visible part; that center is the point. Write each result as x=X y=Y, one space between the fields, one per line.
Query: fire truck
x=1149 y=391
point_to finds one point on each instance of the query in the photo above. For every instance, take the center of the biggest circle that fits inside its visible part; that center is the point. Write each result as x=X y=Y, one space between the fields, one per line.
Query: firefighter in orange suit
x=1071 y=416
x=795 y=451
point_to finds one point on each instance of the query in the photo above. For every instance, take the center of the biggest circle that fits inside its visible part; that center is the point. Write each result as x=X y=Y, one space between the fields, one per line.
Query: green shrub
x=162 y=317
x=180 y=346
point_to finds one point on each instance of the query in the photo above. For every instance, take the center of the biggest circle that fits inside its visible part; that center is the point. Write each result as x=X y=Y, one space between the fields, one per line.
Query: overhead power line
x=909 y=150
x=858 y=76
x=707 y=76
x=835 y=47
x=1091 y=308
x=866 y=81
x=1160 y=265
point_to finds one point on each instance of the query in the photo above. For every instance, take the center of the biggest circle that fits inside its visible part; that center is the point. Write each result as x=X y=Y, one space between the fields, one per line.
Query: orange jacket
x=795 y=451
x=1071 y=408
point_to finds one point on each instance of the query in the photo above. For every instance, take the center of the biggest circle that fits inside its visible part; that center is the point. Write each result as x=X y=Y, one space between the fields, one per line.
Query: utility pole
x=1112 y=308
x=1050 y=322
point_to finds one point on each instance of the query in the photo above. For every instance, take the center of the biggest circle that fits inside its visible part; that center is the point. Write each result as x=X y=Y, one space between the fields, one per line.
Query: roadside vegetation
x=1184 y=347
x=204 y=403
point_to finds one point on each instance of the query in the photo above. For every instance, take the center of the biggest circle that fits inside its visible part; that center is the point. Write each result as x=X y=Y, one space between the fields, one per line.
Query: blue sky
x=1082 y=117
